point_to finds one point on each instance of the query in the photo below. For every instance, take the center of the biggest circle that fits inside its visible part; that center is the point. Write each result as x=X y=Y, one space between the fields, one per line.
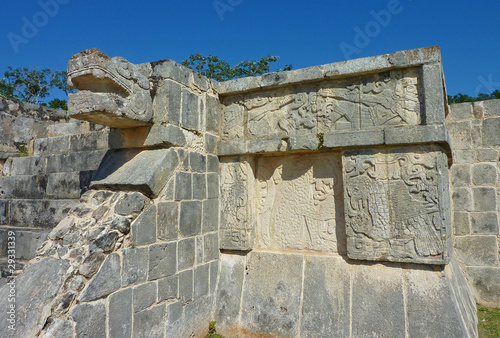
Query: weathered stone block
x=130 y=203
x=326 y=298
x=190 y=218
x=144 y=295
x=462 y=199
x=380 y=285
x=23 y=187
x=31 y=296
x=196 y=314
x=484 y=199
x=228 y=298
x=212 y=114
x=212 y=185
x=433 y=294
x=167 y=135
x=212 y=164
x=484 y=223
x=150 y=322
x=460 y=134
x=487 y=155
x=174 y=319
x=211 y=246
x=106 y=281
x=144 y=227
x=168 y=287
x=39 y=213
x=145 y=171
x=486 y=284
x=210 y=143
x=214 y=273
x=186 y=253
x=460 y=175
x=167 y=220
x=120 y=313
x=61 y=328
x=186 y=286
x=197 y=162
x=210 y=215
x=167 y=103
x=135 y=266
x=393 y=209
x=272 y=294
x=464 y=156
x=190 y=117
x=199 y=186
x=201 y=280
x=4 y=212
x=183 y=186
x=80 y=161
x=491 y=136
x=477 y=250
x=90 y=319
x=461 y=223
x=162 y=260
x=484 y=174
x=28 y=166
x=264 y=146
x=461 y=111
x=89 y=141
x=66 y=185
x=51 y=146
x=492 y=107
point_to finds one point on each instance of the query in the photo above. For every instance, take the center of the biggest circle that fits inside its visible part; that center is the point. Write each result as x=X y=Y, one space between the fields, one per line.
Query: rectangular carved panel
x=299 y=203
x=376 y=100
x=237 y=228
x=396 y=204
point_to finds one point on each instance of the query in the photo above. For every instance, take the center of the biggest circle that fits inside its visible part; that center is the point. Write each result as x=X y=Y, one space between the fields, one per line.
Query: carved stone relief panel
x=237 y=230
x=376 y=100
x=299 y=203
x=395 y=204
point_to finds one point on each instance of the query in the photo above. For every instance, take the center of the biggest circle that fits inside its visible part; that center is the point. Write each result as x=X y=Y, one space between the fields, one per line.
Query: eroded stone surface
x=396 y=204
x=299 y=203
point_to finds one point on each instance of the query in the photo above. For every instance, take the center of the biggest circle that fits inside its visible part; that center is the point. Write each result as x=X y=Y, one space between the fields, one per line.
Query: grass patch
x=488 y=322
x=212 y=332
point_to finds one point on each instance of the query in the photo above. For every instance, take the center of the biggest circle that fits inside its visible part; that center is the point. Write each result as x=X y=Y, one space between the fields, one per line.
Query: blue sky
x=47 y=33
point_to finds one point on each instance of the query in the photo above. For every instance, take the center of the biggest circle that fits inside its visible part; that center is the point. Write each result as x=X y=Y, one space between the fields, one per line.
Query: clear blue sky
x=302 y=33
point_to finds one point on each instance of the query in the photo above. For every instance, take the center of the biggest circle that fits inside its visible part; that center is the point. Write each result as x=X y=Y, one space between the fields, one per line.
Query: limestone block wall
x=475 y=181
x=139 y=256
x=47 y=164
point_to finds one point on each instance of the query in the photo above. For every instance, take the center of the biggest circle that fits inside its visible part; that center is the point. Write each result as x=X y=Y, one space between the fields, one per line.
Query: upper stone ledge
x=400 y=59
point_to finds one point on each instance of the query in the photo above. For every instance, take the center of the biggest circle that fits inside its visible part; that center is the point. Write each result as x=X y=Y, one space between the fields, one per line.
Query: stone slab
x=272 y=294
x=397 y=204
x=228 y=294
x=326 y=298
x=146 y=171
x=31 y=296
x=485 y=282
x=120 y=313
x=377 y=302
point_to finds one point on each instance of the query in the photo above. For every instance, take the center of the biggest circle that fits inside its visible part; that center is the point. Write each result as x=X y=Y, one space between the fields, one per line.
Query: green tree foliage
x=34 y=86
x=220 y=70
x=459 y=98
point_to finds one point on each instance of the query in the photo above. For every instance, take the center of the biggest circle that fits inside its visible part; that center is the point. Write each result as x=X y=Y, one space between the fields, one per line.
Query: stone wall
x=46 y=163
x=310 y=203
x=475 y=178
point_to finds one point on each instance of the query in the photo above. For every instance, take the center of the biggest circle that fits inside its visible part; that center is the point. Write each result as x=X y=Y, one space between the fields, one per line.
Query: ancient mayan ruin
x=341 y=200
